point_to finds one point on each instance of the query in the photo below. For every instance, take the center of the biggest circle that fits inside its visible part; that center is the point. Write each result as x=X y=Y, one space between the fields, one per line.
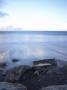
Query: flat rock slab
x=55 y=87
x=10 y=86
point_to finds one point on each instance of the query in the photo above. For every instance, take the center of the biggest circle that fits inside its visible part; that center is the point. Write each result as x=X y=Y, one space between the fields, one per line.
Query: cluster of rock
x=9 y=76
x=43 y=77
x=34 y=78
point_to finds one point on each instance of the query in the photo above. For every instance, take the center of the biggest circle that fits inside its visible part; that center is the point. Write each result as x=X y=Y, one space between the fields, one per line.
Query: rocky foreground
x=34 y=78
x=55 y=87
x=11 y=86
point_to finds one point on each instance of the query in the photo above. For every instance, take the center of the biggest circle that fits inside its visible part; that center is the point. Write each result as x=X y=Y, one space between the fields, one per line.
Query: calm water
x=29 y=46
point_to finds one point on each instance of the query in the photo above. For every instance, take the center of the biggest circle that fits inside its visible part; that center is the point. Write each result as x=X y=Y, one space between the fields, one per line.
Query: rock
x=55 y=87
x=2 y=73
x=35 y=78
x=14 y=73
x=3 y=65
x=3 y=68
x=10 y=86
x=45 y=77
x=45 y=62
x=15 y=60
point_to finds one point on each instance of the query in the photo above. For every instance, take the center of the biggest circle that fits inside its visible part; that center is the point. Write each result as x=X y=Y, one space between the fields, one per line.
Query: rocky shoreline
x=25 y=77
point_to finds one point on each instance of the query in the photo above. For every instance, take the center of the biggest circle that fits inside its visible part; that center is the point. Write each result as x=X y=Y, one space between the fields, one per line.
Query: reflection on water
x=29 y=47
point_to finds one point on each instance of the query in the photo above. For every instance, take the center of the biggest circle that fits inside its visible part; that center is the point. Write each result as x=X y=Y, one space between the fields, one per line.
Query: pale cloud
x=1 y=3
x=3 y=14
x=32 y=26
x=32 y=23
x=31 y=18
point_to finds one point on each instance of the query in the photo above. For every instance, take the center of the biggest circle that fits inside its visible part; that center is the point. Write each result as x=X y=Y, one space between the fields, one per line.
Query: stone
x=55 y=87
x=14 y=73
x=10 y=86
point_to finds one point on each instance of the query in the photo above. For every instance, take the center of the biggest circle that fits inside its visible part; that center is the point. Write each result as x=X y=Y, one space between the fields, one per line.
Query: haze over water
x=30 y=46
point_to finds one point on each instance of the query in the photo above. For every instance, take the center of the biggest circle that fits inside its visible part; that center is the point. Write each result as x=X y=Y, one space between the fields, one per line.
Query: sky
x=33 y=15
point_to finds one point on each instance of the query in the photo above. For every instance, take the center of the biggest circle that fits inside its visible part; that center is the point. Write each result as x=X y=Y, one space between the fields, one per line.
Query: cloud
x=3 y=14
x=1 y=3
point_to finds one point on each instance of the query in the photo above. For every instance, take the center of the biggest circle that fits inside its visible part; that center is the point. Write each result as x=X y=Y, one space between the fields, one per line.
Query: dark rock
x=55 y=87
x=15 y=60
x=45 y=61
x=2 y=70
x=45 y=77
x=14 y=73
x=10 y=86
x=36 y=78
x=3 y=65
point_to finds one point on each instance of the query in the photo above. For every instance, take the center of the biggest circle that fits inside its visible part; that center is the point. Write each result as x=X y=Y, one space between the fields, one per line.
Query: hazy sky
x=34 y=14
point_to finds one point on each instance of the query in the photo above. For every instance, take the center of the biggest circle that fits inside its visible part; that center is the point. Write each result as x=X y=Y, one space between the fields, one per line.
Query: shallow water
x=32 y=46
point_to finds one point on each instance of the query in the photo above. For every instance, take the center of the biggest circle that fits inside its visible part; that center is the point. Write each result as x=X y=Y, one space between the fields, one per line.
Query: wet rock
x=2 y=70
x=14 y=73
x=3 y=65
x=15 y=60
x=36 y=78
x=55 y=87
x=10 y=86
x=46 y=62
x=44 y=77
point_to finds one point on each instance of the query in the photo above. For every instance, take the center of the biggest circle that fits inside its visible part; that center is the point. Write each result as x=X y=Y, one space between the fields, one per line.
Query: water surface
x=30 y=46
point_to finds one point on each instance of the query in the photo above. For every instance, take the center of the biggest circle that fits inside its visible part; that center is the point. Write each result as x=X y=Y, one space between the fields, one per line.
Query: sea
x=29 y=46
